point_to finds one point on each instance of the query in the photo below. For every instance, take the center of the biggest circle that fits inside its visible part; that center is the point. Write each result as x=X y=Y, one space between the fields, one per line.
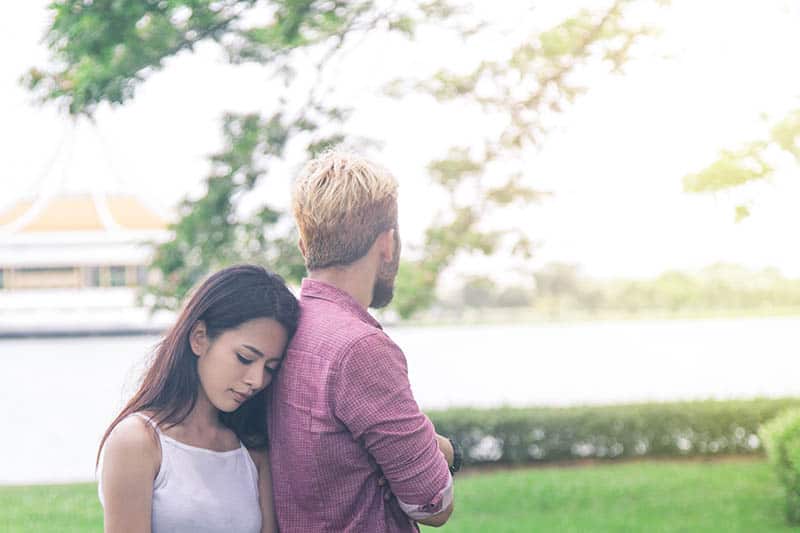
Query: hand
x=446 y=448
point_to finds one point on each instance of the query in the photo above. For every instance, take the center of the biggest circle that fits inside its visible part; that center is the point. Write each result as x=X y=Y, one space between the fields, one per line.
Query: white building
x=73 y=264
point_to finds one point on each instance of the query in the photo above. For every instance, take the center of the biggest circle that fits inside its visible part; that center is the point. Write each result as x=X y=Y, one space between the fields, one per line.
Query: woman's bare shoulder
x=134 y=439
x=129 y=468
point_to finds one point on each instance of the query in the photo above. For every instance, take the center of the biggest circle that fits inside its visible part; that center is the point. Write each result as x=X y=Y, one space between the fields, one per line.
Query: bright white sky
x=615 y=166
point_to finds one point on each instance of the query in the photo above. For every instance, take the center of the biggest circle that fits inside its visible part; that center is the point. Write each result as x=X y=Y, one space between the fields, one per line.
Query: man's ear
x=387 y=245
x=302 y=246
x=198 y=338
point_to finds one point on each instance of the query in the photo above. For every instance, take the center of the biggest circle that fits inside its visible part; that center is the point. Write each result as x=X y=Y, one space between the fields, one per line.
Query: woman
x=188 y=451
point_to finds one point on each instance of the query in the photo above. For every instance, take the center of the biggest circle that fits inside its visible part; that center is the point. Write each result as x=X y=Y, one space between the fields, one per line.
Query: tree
x=103 y=50
x=479 y=291
x=751 y=162
x=529 y=90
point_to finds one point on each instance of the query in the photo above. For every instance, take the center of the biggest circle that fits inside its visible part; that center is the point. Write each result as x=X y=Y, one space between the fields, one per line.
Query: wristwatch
x=456 y=466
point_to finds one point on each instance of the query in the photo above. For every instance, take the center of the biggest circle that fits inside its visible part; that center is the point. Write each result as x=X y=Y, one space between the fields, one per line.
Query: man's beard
x=383 y=290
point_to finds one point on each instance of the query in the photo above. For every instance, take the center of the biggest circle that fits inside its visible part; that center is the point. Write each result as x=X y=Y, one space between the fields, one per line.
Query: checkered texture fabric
x=341 y=414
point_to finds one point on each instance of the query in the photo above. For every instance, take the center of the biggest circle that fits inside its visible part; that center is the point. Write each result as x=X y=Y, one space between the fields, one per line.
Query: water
x=58 y=395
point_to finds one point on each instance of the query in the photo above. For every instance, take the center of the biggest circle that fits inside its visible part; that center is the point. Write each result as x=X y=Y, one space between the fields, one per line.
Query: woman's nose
x=256 y=377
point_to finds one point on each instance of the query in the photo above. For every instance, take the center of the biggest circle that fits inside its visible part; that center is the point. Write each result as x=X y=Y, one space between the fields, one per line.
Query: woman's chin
x=228 y=406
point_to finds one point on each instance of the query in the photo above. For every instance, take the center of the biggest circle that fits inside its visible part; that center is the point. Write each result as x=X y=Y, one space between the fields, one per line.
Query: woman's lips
x=239 y=397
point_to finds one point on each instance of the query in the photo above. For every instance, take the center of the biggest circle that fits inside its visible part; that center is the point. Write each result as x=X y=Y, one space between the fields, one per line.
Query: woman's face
x=239 y=362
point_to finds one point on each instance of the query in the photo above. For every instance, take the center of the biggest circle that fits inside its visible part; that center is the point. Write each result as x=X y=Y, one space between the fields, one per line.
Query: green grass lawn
x=726 y=497
x=50 y=508
x=733 y=496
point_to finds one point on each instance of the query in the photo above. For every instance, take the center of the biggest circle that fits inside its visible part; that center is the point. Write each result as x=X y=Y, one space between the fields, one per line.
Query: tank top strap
x=149 y=420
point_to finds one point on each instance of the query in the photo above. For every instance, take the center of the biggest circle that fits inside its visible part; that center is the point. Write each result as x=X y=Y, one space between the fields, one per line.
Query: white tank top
x=201 y=490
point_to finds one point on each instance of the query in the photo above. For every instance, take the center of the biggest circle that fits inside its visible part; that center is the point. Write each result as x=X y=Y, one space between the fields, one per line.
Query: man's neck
x=353 y=279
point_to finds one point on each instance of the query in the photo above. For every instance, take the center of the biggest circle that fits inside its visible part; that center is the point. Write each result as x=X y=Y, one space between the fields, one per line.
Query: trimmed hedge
x=537 y=435
x=781 y=439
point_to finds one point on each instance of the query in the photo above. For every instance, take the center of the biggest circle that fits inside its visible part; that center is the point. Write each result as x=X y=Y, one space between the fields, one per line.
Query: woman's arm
x=268 y=521
x=131 y=459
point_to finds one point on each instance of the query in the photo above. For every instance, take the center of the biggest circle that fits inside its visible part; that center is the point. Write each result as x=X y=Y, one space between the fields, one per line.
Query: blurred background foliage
x=781 y=437
x=103 y=50
x=520 y=435
x=561 y=291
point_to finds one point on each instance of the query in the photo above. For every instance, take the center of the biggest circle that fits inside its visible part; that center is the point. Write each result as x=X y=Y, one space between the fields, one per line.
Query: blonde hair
x=341 y=203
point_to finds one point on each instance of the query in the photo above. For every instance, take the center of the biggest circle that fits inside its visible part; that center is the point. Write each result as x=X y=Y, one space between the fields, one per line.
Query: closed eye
x=243 y=360
x=273 y=365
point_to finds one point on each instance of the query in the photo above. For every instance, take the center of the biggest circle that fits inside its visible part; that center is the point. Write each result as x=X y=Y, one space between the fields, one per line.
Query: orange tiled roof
x=67 y=214
x=79 y=213
x=129 y=213
x=17 y=210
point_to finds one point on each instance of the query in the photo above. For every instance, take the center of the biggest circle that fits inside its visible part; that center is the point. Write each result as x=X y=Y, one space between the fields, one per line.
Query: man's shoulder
x=326 y=326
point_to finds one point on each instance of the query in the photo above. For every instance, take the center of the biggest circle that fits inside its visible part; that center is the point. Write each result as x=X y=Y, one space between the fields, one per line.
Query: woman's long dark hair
x=224 y=301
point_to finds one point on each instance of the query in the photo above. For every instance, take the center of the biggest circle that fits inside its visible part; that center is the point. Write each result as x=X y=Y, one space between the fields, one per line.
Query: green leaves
x=537 y=435
x=212 y=233
x=295 y=24
x=742 y=212
x=786 y=133
x=752 y=162
x=528 y=90
x=566 y=38
x=452 y=171
x=415 y=287
x=781 y=437
x=733 y=168
x=513 y=191
x=103 y=49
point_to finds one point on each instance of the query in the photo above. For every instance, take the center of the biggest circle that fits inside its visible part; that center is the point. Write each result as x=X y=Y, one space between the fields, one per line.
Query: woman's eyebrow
x=254 y=350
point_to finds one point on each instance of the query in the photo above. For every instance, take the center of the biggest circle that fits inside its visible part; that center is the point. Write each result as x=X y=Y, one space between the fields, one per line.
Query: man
x=342 y=417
